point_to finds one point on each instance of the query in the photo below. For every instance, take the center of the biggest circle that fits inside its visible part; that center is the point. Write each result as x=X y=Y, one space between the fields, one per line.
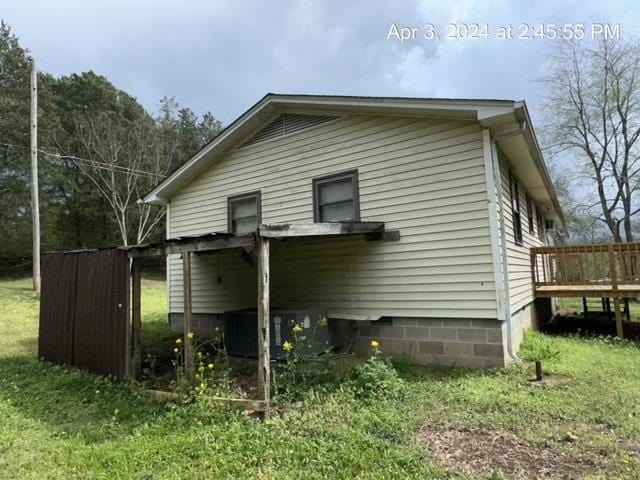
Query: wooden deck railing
x=611 y=265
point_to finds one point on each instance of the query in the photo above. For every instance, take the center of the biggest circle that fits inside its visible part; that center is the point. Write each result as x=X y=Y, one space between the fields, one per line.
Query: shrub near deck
x=63 y=423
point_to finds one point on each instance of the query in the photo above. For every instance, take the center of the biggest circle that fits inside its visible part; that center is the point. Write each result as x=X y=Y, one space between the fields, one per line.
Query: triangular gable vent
x=285 y=124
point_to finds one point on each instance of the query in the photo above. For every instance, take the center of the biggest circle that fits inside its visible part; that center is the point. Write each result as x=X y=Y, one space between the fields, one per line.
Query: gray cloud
x=223 y=56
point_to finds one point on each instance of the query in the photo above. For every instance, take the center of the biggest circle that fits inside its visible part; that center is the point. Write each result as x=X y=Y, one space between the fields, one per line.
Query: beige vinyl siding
x=519 y=260
x=423 y=177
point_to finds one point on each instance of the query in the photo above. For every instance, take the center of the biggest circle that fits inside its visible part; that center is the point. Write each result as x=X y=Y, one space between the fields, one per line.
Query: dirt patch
x=550 y=381
x=480 y=451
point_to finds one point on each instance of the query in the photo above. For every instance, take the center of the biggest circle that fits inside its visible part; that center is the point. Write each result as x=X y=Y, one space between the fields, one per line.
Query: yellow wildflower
x=175 y=350
x=374 y=344
x=178 y=341
x=202 y=386
x=297 y=328
x=287 y=346
x=210 y=365
x=190 y=335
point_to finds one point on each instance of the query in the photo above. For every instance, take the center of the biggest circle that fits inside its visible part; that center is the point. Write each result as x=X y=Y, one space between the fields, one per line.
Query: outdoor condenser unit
x=241 y=331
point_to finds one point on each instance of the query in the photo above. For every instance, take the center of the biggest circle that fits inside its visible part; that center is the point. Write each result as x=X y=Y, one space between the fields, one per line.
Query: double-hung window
x=335 y=198
x=540 y=221
x=244 y=213
x=530 y=222
x=515 y=210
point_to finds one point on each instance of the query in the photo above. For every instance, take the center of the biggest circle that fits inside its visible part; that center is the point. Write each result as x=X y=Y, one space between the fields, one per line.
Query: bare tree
x=127 y=160
x=593 y=116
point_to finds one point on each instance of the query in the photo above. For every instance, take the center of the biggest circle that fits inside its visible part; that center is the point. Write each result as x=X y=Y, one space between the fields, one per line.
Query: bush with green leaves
x=536 y=347
x=377 y=377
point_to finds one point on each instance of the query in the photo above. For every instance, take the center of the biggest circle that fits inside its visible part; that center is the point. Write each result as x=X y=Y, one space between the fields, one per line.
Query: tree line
x=592 y=126
x=100 y=151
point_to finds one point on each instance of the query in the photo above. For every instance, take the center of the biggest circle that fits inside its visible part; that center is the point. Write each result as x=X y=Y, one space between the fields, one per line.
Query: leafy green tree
x=81 y=117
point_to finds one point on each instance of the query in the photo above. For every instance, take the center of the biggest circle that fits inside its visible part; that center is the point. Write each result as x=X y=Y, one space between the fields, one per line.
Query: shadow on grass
x=592 y=326
x=74 y=402
x=155 y=329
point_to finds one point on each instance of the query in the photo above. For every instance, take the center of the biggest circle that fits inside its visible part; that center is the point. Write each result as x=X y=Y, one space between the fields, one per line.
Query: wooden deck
x=588 y=271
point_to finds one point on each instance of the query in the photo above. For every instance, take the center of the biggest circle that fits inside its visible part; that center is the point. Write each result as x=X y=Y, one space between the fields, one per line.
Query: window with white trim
x=244 y=213
x=335 y=198
x=515 y=210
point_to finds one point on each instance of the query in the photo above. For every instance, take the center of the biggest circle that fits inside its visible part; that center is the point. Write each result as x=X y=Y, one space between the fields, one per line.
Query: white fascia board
x=470 y=109
x=530 y=136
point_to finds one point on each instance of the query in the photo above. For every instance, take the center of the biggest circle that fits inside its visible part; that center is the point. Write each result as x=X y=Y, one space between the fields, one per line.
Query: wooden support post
x=585 y=308
x=616 y=306
x=534 y=278
x=613 y=272
x=136 y=317
x=264 y=356
x=627 y=309
x=614 y=287
x=189 y=370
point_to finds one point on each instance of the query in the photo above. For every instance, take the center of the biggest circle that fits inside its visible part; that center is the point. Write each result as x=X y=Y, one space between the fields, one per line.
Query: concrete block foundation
x=452 y=342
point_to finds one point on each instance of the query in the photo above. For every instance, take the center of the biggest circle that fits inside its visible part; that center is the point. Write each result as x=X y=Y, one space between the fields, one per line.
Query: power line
x=95 y=163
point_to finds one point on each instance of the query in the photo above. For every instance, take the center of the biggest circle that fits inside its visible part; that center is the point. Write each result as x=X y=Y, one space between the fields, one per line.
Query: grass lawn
x=63 y=423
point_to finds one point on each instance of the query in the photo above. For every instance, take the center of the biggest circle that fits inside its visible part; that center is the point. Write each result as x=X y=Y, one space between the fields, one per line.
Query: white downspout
x=505 y=257
x=498 y=237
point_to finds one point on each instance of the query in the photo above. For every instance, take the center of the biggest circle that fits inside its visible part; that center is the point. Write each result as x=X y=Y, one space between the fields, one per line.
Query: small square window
x=244 y=213
x=335 y=198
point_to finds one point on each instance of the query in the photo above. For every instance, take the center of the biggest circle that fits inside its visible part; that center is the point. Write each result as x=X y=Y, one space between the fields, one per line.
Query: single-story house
x=462 y=181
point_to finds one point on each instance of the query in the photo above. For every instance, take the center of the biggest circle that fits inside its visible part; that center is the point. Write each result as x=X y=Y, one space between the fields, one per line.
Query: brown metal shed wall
x=57 y=308
x=83 y=320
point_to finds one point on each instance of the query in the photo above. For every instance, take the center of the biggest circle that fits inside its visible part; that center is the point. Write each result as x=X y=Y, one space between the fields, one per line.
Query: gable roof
x=508 y=120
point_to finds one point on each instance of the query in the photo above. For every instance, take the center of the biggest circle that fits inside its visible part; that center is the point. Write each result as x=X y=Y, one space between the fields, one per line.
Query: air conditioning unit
x=241 y=331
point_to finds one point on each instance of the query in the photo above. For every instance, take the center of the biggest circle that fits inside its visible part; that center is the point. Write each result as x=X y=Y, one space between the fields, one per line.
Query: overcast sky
x=223 y=56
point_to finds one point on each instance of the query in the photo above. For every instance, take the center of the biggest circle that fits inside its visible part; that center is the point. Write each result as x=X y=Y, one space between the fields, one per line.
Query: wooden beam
x=616 y=306
x=593 y=248
x=264 y=357
x=387 y=235
x=136 y=317
x=189 y=369
x=179 y=247
x=285 y=230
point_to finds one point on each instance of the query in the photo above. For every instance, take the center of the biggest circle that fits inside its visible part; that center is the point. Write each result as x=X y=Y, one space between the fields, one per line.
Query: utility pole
x=35 y=207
